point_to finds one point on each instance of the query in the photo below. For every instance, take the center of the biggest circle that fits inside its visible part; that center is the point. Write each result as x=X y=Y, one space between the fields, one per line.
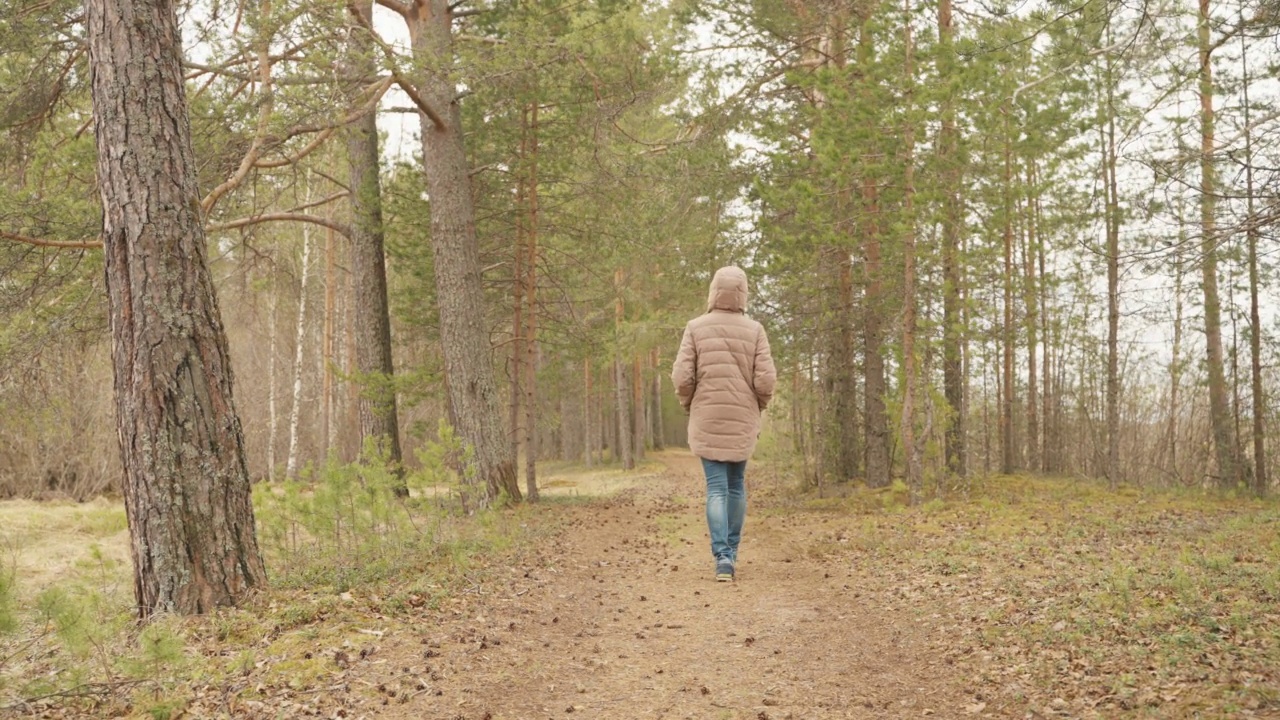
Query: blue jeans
x=726 y=505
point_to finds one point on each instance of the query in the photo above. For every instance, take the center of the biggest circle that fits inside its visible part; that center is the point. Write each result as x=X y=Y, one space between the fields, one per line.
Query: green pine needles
x=8 y=603
x=348 y=524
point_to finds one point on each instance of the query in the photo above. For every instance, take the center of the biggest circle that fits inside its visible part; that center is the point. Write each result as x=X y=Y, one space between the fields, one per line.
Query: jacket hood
x=728 y=290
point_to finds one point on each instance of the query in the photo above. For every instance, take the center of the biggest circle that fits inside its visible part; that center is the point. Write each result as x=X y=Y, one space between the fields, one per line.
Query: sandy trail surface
x=621 y=617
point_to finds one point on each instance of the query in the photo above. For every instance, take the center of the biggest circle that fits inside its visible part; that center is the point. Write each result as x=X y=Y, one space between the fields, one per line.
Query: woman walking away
x=724 y=376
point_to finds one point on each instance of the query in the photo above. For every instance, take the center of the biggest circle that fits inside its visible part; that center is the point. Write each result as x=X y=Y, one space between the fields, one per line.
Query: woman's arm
x=684 y=374
x=766 y=375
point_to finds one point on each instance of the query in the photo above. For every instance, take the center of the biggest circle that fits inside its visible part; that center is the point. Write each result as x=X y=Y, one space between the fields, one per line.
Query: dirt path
x=623 y=619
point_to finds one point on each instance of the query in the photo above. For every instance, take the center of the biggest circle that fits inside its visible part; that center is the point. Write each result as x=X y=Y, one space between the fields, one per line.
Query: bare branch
x=322 y=201
x=481 y=39
x=400 y=8
x=95 y=244
x=280 y=217
x=403 y=83
x=376 y=91
x=259 y=137
x=412 y=92
x=316 y=142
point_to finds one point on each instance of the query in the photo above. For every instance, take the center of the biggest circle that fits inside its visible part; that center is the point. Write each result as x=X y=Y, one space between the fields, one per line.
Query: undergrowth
x=341 y=543
x=8 y=601
x=1065 y=597
x=344 y=524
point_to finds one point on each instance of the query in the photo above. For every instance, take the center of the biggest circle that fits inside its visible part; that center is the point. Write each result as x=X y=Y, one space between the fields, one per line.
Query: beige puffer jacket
x=724 y=373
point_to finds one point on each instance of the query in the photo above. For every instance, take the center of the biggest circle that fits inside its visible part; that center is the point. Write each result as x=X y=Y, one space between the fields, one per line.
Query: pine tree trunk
x=351 y=409
x=622 y=443
x=1113 y=284
x=1007 y=461
x=378 y=416
x=1031 y=295
x=1219 y=412
x=1175 y=360
x=464 y=333
x=1255 y=321
x=588 y=419
x=911 y=453
x=798 y=445
x=531 y=317
x=659 y=440
x=874 y=386
x=839 y=425
x=988 y=368
x=517 y=322
x=639 y=421
x=1048 y=396
x=186 y=483
x=952 y=321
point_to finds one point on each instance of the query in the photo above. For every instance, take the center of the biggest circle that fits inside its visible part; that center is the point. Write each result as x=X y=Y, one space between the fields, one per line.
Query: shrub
x=349 y=524
x=8 y=603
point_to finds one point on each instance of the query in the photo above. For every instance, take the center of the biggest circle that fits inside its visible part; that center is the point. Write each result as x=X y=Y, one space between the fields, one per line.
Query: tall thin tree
x=953 y=379
x=1219 y=411
x=464 y=333
x=911 y=453
x=372 y=322
x=1112 y=217
x=1007 y=446
x=186 y=484
x=874 y=300
x=1255 y=320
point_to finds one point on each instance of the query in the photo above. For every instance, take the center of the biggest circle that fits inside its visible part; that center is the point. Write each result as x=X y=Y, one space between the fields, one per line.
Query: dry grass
x=1056 y=598
x=46 y=543
x=75 y=641
x=1070 y=600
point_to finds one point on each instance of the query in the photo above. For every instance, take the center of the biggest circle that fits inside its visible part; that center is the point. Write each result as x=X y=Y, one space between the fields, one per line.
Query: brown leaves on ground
x=1031 y=598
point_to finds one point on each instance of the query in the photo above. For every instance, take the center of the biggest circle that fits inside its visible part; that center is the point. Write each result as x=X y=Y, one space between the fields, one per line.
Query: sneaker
x=724 y=570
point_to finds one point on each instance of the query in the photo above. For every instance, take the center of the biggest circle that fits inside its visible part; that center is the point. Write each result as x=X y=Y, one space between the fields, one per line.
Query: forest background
x=986 y=240
x=983 y=238
x=1035 y=237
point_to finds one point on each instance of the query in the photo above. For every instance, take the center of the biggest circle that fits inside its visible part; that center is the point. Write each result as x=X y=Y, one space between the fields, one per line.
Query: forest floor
x=1025 y=598
x=622 y=618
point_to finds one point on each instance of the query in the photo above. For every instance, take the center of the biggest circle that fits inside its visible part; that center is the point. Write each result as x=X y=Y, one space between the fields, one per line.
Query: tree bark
x=873 y=310
x=531 y=316
x=952 y=320
x=1219 y=412
x=839 y=425
x=1175 y=360
x=328 y=358
x=659 y=441
x=1255 y=321
x=588 y=421
x=464 y=333
x=622 y=446
x=300 y=343
x=639 y=422
x=911 y=453
x=1048 y=394
x=517 y=322
x=1113 y=283
x=186 y=484
x=1007 y=461
x=378 y=417
x=1031 y=296
x=273 y=417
